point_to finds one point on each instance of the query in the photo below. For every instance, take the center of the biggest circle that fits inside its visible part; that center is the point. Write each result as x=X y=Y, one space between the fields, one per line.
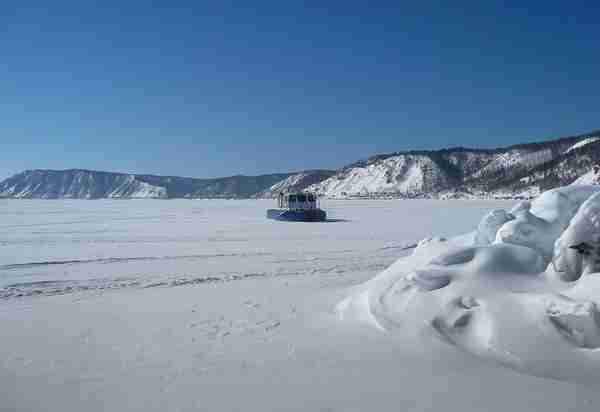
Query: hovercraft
x=297 y=207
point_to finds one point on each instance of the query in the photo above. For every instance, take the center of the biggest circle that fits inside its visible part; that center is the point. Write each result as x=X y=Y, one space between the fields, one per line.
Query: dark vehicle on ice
x=297 y=207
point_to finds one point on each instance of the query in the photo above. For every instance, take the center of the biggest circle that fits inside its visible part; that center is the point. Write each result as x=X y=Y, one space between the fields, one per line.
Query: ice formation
x=523 y=289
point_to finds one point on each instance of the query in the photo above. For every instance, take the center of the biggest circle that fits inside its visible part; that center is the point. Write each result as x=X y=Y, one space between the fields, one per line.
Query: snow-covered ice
x=206 y=305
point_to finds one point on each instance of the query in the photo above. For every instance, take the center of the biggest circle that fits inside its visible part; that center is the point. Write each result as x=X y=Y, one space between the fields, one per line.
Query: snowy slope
x=514 y=159
x=402 y=174
x=590 y=178
x=142 y=189
x=562 y=170
x=296 y=183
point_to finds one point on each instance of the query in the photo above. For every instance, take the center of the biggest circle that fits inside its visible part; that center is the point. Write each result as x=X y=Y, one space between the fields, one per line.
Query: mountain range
x=522 y=170
x=91 y=184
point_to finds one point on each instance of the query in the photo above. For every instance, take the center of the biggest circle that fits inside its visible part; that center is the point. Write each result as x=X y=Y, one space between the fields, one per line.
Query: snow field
x=209 y=306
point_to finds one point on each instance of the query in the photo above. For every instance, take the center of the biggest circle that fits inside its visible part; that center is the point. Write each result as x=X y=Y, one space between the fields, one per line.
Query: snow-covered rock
x=583 y=228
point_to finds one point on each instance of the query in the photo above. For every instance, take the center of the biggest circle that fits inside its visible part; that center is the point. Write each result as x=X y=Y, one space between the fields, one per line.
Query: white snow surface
x=191 y=305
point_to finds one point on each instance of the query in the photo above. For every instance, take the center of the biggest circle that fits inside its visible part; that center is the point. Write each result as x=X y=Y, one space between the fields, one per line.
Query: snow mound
x=522 y=289
x=490 y=224
x=584 y=228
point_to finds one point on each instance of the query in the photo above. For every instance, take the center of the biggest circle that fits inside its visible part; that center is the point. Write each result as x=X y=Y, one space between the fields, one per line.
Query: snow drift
x=522 y=289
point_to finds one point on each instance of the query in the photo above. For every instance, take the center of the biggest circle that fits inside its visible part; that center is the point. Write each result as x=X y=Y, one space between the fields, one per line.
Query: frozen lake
x=56 y=247
x=206 y=305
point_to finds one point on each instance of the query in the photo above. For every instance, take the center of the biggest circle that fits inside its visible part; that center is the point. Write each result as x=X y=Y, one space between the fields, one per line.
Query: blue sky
x=218 y=88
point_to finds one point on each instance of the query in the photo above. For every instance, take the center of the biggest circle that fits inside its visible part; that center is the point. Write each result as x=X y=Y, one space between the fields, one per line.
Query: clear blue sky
x=212 y=88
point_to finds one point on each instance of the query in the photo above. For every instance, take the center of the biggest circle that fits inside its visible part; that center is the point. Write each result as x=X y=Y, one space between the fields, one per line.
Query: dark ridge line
x=150 y=175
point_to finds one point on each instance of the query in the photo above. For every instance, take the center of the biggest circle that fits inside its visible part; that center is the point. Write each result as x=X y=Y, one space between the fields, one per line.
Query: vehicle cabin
x=298 y=201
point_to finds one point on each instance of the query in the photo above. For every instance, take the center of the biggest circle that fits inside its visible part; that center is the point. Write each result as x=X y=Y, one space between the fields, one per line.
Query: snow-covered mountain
x=78 y=184
x=523 y=170
x=407 y=174
x=297 y=182
x=87 y=184
x=516 y=171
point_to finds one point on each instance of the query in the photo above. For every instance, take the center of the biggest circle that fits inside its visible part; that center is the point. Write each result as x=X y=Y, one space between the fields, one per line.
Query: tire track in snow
x=28 y=265
x=332 y=263
x=55 y=287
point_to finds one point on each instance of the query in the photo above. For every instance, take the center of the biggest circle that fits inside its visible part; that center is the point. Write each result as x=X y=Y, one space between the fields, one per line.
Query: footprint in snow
x=578 y=321
x=429 y=279
x=272 y=326
x=456 y=319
